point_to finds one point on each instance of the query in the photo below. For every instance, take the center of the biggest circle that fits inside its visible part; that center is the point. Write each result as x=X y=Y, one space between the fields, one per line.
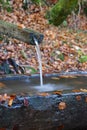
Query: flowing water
x=39 y=61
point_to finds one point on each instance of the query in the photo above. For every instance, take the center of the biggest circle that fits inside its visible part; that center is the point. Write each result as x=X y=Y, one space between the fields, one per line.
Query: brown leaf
x=2 y=85
x=55 y=78
x=85 y=99
x=43 y=94
x=68 y=76
x=76 y=90
x=62 y=105
x=58 y=92
x=21 y=26
x=10 y=102
x=83 y=90
x=5 y=97
x=13 y=96
x=78 y=98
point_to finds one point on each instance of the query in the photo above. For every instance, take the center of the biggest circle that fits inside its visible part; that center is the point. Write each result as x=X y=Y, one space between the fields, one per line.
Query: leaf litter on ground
x=60 y=49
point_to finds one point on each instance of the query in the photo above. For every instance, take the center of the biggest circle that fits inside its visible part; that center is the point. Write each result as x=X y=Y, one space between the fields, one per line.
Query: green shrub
x=85 y=7
x=5 y=4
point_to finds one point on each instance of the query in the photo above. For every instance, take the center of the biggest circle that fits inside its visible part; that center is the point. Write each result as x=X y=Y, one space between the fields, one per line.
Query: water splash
x=39 y=60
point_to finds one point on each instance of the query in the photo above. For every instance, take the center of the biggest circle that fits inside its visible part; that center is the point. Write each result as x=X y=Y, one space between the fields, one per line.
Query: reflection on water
x=32 y=86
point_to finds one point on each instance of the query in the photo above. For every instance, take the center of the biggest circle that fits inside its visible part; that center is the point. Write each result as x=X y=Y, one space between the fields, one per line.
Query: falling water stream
x=39 y=61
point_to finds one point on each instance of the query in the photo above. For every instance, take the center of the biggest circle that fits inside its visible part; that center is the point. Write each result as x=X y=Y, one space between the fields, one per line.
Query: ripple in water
x=50 y=87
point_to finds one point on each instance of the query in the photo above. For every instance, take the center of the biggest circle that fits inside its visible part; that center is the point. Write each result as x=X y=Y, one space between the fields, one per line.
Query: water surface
x=32 y=85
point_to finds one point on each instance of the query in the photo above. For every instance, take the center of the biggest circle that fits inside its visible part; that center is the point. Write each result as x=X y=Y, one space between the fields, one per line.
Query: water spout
x=34 y=37
x=39 y=60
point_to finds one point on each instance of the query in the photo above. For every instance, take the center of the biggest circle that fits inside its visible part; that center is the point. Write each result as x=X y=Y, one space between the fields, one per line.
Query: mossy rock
x=59 y=12
x=85 y=7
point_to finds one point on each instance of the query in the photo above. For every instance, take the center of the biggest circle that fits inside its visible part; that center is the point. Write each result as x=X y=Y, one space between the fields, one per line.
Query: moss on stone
x=59 y=12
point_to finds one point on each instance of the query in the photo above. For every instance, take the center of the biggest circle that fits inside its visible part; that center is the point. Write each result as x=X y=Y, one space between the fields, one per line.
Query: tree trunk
x=23 y=34
x=59 y=12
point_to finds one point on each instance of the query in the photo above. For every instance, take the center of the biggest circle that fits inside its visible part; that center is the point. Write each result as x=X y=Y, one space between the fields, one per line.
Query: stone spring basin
x=61 y=104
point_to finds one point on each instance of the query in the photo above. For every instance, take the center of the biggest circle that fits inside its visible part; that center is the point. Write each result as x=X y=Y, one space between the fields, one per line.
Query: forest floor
x=64 y=48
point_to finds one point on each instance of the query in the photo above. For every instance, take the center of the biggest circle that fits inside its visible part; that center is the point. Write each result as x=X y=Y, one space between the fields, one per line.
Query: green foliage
x=80 y=53
x=1 y=38
x=31 y=70
x=25 y=4
x=65 y=23
x=60 y=11
x=24 y=54
x=61 y=57
x=83 y=59
x=85 y=7
x=36 y=1
x=6 y=5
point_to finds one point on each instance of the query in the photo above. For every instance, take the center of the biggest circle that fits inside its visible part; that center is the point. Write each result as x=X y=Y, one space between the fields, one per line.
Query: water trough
x=61 y=104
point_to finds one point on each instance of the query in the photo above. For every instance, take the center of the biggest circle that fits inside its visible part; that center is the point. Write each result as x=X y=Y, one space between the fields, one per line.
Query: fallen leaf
x=2 y=85
x=20 y=26
x=43 y=94
x=55 y=78
x=10 y=102
x=68 y=76
x=85 y=99
x=62 y=105
x=78 y=98
x=24 y=55
x=12 y=96
x=0 y=98
x=58 y=92
x=76 y=90
x=83 y=90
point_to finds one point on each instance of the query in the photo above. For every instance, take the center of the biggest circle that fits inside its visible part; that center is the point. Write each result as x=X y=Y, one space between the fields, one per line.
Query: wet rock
x=43 y=112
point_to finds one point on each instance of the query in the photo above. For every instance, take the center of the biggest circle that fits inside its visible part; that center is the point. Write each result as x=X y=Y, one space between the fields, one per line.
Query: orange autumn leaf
x=2 y=85
x=55 y=78
x=76 y=90
x=68 y=76
x=85 y=99
x=5 y=96
x=21 y=26
x=43 y=94
x=83 y=90
x=62 y=105
x=0 y=41
x=10 y=102
x=58 y=92
x=12 y=96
